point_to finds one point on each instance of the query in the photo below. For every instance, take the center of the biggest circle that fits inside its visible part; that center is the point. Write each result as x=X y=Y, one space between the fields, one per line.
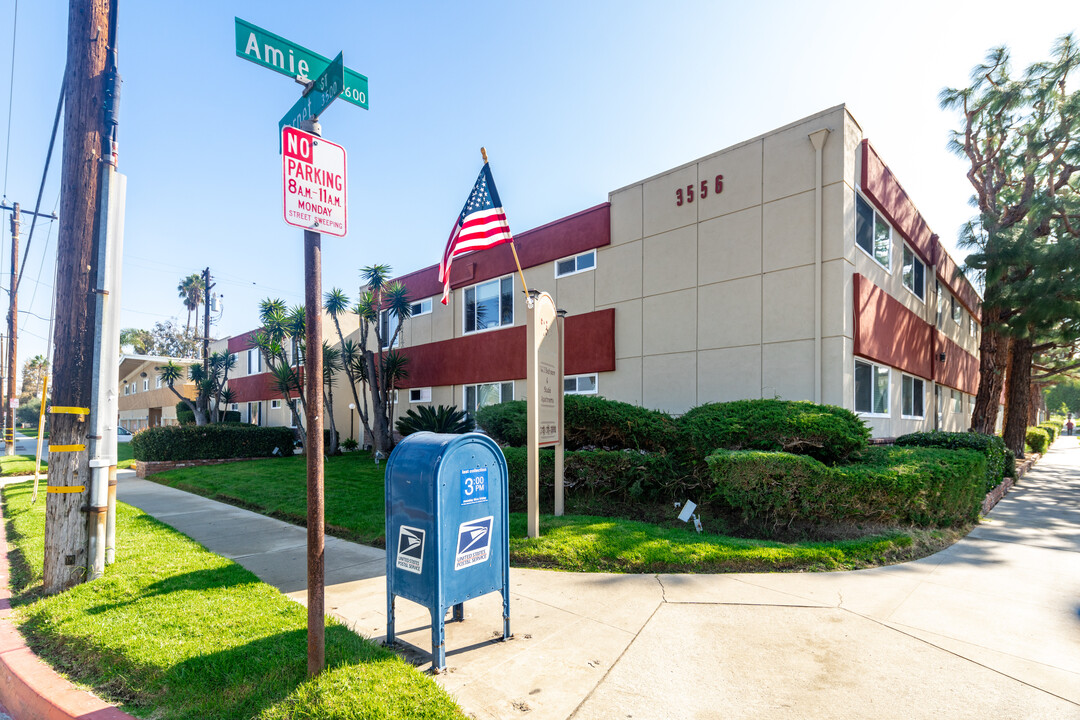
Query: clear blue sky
x=572 y=100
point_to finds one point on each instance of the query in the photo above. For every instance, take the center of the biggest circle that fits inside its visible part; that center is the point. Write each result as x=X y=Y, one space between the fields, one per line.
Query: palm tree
x=190 y=291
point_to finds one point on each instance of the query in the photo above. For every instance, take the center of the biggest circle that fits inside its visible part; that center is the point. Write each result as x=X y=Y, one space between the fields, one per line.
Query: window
x=871 y=388
x=580 y=385
x=420 y=308
x=912 y=391
x=973 y=327
x=254 y=414
x=254 y=362
x=957 y=401
x=576 y=264
x=489 y=305
x=419 y=395
x=872 y=233
x=234 y=406
x=388 y=325
x=941 y=302
x=146 y=384
x=127 y=388
x=957 y=311
x=157 y=384
x=914 y=273
x=479 y=396
x=275 y=404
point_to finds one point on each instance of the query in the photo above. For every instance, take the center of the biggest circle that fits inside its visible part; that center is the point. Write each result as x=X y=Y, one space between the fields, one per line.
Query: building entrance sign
x=544 y=398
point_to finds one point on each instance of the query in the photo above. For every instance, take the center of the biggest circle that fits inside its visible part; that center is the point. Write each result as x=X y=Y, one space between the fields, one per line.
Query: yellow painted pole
x=40 y=436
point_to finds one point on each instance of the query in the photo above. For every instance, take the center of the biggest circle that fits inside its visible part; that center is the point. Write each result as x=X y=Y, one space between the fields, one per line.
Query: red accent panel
x=951 y=276
x=961 y=368
x=239 y=343
x=886 y=331
x=253 y=388
x=500 y=354
x=570 y=235
x=880 y=185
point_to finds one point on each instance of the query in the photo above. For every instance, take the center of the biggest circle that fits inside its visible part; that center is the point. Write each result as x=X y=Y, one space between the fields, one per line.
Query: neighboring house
x=145 y=401
x=763 y=270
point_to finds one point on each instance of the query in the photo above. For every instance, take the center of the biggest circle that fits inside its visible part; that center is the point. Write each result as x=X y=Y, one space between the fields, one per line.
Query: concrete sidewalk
x=986 y=628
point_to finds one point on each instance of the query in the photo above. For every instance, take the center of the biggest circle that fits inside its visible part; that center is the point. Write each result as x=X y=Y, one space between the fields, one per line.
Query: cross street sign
x=322 y=92
x=280 y=55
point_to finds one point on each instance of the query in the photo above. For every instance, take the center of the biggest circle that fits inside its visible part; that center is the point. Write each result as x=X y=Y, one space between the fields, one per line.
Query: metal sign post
x=314 y=198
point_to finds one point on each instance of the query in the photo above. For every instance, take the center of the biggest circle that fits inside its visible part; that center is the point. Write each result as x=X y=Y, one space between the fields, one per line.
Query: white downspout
x=818 y=139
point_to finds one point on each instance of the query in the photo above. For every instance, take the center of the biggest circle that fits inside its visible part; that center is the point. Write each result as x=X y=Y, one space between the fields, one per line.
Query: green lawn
x=355 y=510
x=174 y=631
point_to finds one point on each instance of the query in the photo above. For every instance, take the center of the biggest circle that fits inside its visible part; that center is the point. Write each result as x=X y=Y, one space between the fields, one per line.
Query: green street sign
x=286 y=57
x=323 y=91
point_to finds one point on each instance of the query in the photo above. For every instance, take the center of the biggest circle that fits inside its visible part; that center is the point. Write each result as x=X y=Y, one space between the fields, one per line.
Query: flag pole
x=483 y=153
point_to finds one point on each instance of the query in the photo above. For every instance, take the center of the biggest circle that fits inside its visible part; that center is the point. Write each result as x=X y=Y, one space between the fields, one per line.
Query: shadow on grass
x=237 y=682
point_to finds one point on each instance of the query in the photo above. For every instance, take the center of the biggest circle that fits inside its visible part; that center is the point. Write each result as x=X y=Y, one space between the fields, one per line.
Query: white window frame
x=146 y=384
x=257 y=364
x=904 y=378
x=892 y=232
x=157 y=384
x=957 y=399
x=576 y=378
x=577 y=270
x=388 y=317
x=888 y=394
x=972 y=327
x=420 y=395
x=465 y=305
x=127 y=389
x=921 y=293
x=499 y=385
x=275 y=404
x=234 y=406
x=425 y=307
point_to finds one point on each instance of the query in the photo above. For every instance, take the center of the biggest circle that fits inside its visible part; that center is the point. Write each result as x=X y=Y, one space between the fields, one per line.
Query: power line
x=44 y=253
x=11 y=96
x=44 y=174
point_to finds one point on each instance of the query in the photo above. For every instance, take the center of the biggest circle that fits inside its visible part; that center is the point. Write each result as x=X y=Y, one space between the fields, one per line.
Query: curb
x=30 y=689
x=994 y=496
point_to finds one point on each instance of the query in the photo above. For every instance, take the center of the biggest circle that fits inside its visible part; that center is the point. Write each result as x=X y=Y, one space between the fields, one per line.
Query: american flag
x=481 y=225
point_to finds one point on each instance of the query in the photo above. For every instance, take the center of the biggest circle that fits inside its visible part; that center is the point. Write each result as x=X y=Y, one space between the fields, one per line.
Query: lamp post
x=352 y=407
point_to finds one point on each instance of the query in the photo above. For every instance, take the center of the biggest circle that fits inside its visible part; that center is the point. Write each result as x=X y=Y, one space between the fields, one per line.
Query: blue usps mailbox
x=446 y=528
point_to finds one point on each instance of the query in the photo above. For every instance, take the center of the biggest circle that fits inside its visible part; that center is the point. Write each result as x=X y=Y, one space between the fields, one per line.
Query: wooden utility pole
x=13 y=321
x=67 y=492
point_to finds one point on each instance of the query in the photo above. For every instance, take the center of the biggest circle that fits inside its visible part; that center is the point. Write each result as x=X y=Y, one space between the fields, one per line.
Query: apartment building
x=792 y=265
x=145 y=401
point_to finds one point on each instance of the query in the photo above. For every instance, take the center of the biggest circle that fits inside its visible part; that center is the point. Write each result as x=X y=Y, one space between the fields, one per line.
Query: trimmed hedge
x=824 y=432
x=506 y=423
x=609 y=476
x=594 y=421
x=589 y=421
x=778 y=492
x=191 y=442
x=1052 y=431
x=1037 y=439
x=992 y=446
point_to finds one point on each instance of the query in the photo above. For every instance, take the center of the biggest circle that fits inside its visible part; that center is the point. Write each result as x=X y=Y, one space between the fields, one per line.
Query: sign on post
x=263 y=47
x=318 y=97
x=314 y=182
x=543 y=399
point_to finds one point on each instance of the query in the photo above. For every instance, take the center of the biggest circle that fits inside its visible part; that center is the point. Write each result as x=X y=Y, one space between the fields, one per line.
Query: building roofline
x=741 y=143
